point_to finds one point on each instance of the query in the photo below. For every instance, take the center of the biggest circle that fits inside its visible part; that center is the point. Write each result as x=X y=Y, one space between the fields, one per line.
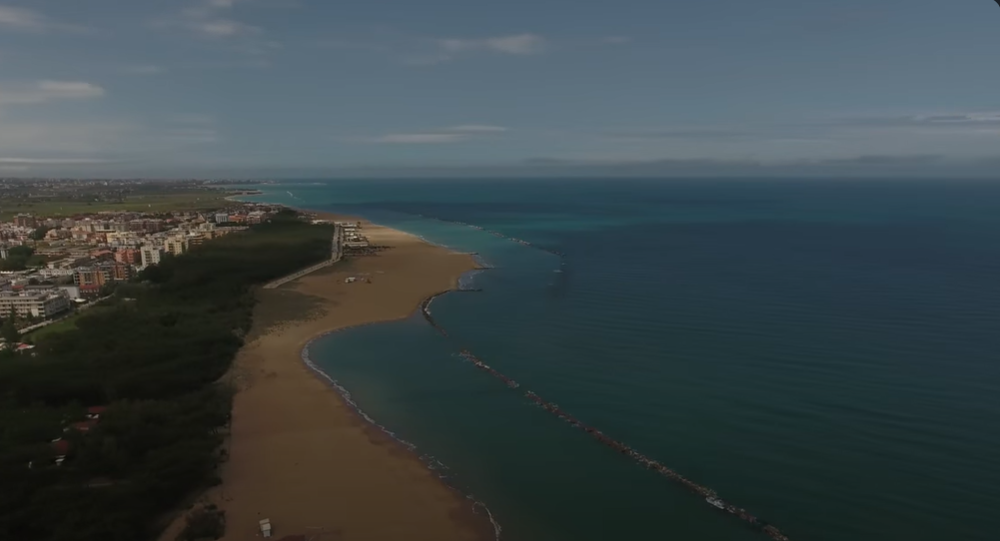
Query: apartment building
x=25 y=220
x=176 y=245
x=33 y=303
x=128 y=255
x=92 y=277
x=97 y=276
x=150 y=255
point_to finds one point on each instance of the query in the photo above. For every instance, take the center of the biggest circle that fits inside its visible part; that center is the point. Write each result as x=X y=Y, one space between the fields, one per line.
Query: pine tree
x=9 y=330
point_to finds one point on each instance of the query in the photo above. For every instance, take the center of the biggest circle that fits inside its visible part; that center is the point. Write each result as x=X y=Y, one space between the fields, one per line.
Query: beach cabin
x=265 y=527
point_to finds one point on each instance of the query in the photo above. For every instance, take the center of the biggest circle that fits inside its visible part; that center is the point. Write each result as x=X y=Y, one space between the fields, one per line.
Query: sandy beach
x=297 y=454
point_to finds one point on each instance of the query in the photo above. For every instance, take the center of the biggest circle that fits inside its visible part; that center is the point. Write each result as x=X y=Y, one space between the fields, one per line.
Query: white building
x=44 y=303
x=150 y=255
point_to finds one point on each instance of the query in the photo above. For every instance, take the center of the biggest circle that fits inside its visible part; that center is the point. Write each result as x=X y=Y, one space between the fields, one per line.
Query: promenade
x=336 y=253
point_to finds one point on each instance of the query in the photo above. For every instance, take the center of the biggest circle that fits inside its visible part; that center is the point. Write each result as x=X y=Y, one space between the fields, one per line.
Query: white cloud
x=448 y=49
x=476 y=128
x=21 y=18
x=70 y=89
x=419 y=138
x=223 y=28
x=29 y=20
x=451 y=134
x=146 y=69
x=934 y=120
x=520 y=44
x=50 y=161
x=207 y=19
x=44 y=91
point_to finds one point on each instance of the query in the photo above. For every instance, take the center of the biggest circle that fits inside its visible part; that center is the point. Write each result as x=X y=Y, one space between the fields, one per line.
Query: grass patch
x=153 y=203
x=66 y=324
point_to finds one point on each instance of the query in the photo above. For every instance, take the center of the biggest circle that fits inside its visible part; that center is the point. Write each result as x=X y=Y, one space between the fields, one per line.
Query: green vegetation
x=8 y=330
x=20 y=258
x=156 y=362
x=68 y=323
x=206 y=522
x=39 y=234
x=153 y=202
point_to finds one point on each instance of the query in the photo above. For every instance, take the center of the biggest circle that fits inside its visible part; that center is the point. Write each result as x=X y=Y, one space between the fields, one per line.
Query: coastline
x=300 y=452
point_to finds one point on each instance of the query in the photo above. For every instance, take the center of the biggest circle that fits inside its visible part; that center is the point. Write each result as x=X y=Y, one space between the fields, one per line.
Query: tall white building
x=150 y=255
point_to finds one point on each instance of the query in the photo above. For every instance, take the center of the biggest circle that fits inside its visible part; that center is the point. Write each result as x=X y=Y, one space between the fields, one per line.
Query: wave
x=431 y=462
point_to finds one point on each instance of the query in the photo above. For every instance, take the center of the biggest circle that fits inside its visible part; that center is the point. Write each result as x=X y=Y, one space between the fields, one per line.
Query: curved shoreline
x=346 y=397
x=300 y=451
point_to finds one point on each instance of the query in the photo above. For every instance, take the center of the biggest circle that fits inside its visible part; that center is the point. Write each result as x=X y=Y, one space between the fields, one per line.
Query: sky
x=513 y=87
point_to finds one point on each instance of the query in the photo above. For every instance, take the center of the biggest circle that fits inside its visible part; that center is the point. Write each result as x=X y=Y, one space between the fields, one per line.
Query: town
x=51 y=267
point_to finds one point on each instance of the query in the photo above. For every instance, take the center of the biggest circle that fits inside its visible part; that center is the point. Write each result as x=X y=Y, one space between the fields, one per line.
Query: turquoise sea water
x=825 y=354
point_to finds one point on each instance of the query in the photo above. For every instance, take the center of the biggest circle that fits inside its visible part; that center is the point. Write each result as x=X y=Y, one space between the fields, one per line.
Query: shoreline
x=345 y=395
x=301 y=453
x=347 y=398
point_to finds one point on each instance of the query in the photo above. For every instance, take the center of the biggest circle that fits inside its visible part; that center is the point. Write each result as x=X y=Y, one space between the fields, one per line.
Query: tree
x=9 y=330
x=17 y=258
x=207 y=522
x=39 y=234
x=155 y=361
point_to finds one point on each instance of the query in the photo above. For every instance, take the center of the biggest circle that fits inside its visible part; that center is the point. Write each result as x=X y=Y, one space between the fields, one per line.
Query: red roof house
x=61 y=447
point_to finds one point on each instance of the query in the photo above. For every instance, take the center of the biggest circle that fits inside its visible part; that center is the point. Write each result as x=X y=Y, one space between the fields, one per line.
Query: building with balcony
x=33 y=303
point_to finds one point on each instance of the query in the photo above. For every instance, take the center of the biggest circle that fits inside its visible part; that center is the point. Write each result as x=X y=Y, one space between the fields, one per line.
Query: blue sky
x=199 y=87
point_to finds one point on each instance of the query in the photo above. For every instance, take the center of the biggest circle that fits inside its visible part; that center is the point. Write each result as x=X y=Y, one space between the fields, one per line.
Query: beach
x=298 y=454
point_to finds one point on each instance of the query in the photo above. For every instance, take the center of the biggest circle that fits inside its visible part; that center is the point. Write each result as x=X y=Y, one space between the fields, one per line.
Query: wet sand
x=297 y=454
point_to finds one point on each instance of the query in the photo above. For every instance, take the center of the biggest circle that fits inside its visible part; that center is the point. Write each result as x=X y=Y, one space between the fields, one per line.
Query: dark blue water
x=825 y=354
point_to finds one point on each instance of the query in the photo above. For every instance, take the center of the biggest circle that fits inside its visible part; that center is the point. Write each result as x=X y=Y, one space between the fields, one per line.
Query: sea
x=822 y=353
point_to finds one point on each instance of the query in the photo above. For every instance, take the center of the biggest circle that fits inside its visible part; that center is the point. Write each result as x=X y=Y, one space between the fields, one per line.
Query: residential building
x=57 y=234
x=194 y=240
x=176 y=245
x=130 y=256
x=120 y=272
x=37 y=303
x=221 y=218
x=92 y=277
x=25 y=220
x=150 y=255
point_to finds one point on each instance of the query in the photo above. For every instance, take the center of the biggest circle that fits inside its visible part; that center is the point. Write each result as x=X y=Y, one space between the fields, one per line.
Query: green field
x=162 y=202
x=66 y=324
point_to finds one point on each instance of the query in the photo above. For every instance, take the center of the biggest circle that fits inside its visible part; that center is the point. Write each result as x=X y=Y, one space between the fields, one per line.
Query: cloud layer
x=451 y=134
x=448 y=49
x=44 y=91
